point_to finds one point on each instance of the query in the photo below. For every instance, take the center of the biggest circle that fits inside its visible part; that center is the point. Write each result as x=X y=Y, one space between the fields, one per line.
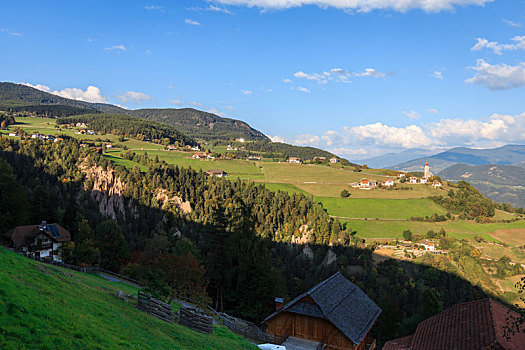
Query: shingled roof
x=340 y=302
x=56 y=232
x=474 y=325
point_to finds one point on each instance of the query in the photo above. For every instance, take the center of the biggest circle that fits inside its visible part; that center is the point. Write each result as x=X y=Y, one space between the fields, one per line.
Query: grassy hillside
x=47 y=307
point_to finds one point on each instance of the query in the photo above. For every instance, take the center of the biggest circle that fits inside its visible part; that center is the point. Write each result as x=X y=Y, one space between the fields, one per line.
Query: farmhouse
x=436 y=184
x=335 y=314
x=216 y=172
x=294 y=160
x=14 y=134
x=428 y=245
x=389 y=182
x=474 y=325
x=423 y=180
x=199 y=155
x=40 y=241
x=319 y=159
x=334 y=160
x=412 y=180
x=401 y=175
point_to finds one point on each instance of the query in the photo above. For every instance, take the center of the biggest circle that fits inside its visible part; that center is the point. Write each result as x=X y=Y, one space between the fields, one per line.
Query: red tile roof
x=473 y=325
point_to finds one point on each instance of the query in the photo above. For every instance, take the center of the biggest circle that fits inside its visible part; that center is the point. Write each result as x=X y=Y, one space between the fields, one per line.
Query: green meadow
x=48 y=307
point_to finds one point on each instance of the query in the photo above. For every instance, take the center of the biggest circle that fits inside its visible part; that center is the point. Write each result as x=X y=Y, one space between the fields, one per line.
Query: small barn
x=335 y=314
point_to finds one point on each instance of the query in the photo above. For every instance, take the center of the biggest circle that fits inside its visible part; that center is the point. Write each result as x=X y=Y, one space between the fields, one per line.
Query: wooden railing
x=155 y=307
x=198 y=322
x=244 y=328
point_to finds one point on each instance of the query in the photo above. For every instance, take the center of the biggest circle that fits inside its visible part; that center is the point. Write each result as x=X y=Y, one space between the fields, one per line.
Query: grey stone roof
x=342 y=303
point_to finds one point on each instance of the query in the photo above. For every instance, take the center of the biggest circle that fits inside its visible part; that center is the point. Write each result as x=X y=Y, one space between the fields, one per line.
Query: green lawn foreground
x=48 y=307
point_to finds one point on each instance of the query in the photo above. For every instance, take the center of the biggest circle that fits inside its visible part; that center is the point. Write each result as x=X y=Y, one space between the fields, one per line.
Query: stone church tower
x=427 y=171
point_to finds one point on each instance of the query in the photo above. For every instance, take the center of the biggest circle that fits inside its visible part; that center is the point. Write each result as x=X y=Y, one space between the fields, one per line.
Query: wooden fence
x=198 y=322
x=244 y=328
x=155 y=307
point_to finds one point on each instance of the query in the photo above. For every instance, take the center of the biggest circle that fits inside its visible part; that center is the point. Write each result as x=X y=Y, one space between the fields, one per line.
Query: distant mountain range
x=389 y=160
x=192 y=122
x=499 y=173
x=506 y=155
x=502 y=183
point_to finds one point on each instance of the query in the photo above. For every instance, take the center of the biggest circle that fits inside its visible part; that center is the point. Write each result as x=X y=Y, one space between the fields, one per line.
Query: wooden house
x=474 y=325
x=335 y=314
x=40 y=241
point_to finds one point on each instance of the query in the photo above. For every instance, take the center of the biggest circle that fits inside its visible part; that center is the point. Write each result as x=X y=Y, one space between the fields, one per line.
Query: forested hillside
x=130 y=126
x=201 y=124
x=223 y=242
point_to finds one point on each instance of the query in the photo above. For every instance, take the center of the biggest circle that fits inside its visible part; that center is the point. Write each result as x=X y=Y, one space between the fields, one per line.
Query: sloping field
x=380 y=208
x=510 y=235
x=47 y=307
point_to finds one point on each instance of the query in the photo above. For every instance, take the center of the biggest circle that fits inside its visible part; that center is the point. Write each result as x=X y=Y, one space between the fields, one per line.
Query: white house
x=401 y=175
x=423 y=180
x=294 y=160
x=14 y=134
x=437 y=184
x=40 y=241
x=216 y=172
x=389 y=182
x=428 y=245
x=413 y=180
x=334 y=160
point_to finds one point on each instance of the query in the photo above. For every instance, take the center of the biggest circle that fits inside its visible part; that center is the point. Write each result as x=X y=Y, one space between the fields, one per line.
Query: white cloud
x=478 y=132
x=195 y=104
x=117 y=48
x=438 y=75
x=92 y=93
x=359 y=5
x=7 y=31
x=246 y=92
x=498 y=77
x=134 y=97
x=302 y=89
x=519 y=44
x=411 y=136
x=215 y=111
x=211 y=8
x=433 y=111
x=191 y=22
x=154 y=8
x=306 y=139
x=511 y=23
x=229 y=108
x=278 y=138
x=347 y=151
x=287 y=81
x=148 y=52
x=338 y=75
x=175 y=102
x=412 y=114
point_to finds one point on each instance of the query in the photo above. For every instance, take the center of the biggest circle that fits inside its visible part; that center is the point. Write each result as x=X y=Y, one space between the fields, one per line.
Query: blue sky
x=344 y=75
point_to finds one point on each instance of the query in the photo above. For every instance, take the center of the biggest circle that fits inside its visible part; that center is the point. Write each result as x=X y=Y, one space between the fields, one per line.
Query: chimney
x=279 y=303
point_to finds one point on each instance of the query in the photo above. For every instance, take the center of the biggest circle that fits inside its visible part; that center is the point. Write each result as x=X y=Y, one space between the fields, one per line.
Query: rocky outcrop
x=163 y=197
x=308 y=251
x=329 y=258
x=107 y=191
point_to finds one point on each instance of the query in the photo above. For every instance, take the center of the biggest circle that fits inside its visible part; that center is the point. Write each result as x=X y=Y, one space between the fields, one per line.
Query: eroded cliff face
x=107 y=191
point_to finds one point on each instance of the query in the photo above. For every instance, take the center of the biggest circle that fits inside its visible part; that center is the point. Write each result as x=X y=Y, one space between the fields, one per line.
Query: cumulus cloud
x=411 y=114
x=368 y=140
x=518 y=44
x=134 y=97
x=359 y=5
x=411 y=136
x=498 y=77
x=433 y=111
x=91 y=94
x=175 y=102
x=438 y=75
x=277 y=138
x=215 y=111
x=287 y=81
x=247 y=92
x=117 y=48
x=191 y=22
x=195 y=104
